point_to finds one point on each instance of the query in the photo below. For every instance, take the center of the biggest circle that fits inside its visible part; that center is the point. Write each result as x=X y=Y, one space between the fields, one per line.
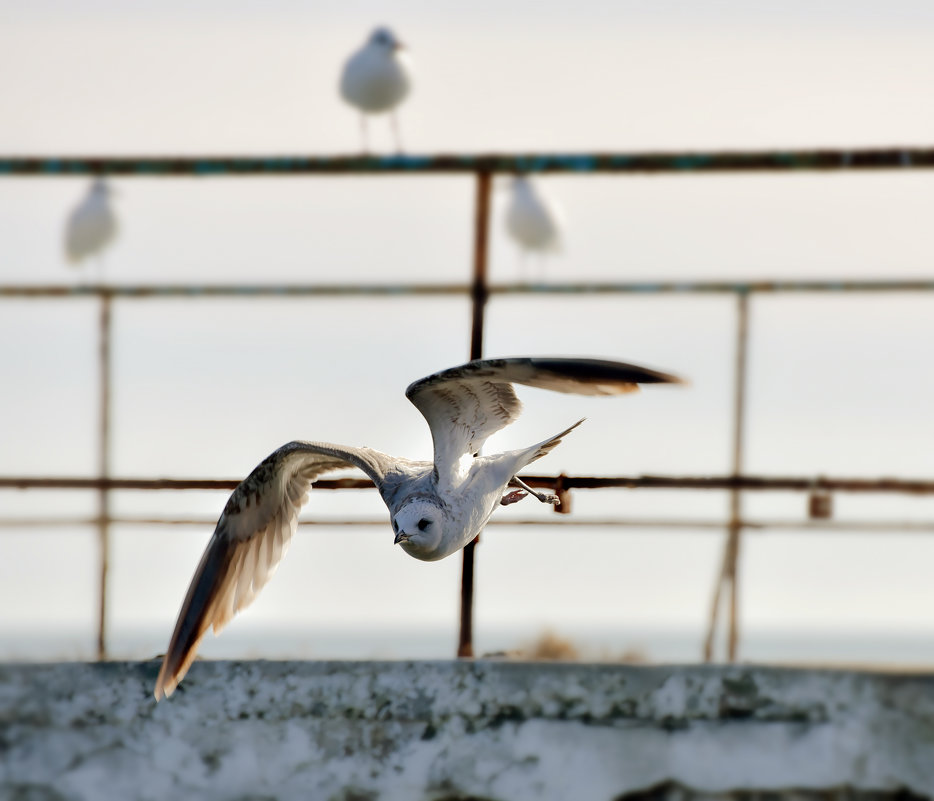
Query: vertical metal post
x=739 y=427
x=104 y=472
x=479 y=292
x=479 y=289
x=729 y=572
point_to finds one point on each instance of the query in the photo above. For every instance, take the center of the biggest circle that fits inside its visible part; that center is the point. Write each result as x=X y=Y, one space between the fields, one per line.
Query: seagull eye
x=423 y=523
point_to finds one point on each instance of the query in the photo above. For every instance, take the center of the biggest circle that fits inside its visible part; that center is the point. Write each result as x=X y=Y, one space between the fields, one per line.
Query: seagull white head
x=418 y=526
x=383 y=38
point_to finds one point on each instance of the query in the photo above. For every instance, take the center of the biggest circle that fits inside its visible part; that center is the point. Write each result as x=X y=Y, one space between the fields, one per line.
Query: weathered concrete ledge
x=501 y=731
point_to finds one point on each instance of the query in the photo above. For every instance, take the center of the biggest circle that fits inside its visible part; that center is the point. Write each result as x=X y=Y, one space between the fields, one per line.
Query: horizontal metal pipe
x=69 y=483
x=230 y=290
x=744 y=482
x=405 y=290
x=856 y=526
x=714 y=287
x=873 y=158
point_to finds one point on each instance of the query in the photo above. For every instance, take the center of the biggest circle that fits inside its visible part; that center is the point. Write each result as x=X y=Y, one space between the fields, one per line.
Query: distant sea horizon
x=866 y=647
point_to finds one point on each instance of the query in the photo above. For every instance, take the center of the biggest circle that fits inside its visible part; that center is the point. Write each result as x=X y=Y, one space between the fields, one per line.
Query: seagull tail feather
x=538 y=451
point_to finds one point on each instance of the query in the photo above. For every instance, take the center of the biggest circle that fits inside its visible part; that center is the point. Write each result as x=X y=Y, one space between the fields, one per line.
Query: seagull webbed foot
x=541 y=496
x=513 y=497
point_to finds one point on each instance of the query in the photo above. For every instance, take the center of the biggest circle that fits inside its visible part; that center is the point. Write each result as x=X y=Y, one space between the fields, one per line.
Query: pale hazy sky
x=837 y=386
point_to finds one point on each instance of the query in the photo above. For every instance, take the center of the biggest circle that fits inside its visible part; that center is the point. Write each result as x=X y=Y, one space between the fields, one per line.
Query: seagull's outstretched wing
x=465 y=405
x=251 y=536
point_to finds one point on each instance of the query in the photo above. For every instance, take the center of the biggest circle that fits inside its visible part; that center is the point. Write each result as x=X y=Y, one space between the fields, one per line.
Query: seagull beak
x=400 y=537
x=397 y=46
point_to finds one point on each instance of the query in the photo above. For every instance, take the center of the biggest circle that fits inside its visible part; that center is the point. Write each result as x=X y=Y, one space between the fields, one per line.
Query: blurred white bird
x=533 y=220
x=92 y=225
x=376 y=79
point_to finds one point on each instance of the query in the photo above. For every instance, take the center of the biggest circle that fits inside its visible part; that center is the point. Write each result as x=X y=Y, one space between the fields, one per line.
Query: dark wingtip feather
x=603 y=370
x=194 y=619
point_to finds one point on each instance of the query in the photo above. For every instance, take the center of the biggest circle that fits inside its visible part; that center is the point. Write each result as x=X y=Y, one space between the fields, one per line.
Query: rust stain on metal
x=820 y=505
x=563 y=507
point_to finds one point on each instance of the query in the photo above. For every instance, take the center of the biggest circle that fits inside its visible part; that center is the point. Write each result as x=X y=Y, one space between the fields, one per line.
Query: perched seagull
x=377 y=78
x=92 y=225
x=435 y=508
x=532 y=219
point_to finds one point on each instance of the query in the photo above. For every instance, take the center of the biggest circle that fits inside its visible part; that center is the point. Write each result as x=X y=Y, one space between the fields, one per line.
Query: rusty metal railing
x=197 y=291
x=729 y=482
x=631 y=523
x=483 y=167
x=736 y=483
x=886 y=158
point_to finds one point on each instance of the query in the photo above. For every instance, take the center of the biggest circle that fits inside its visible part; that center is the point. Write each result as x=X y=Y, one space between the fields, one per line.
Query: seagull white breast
x=376 y=80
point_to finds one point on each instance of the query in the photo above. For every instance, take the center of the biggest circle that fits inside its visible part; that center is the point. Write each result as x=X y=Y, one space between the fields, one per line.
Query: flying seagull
x=92 y=224
x=435 y=508
x=376 y=79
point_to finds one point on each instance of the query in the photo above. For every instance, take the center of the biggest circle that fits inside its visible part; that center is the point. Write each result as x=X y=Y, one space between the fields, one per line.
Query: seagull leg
x=364 y=135
x=543 y=497
x=394 y=121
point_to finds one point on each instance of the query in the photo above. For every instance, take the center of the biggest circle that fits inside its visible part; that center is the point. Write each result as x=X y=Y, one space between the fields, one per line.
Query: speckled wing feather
x=251 y=536
x=465 y=405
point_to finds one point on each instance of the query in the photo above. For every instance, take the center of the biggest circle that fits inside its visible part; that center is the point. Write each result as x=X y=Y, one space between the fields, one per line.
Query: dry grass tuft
x=550 y=646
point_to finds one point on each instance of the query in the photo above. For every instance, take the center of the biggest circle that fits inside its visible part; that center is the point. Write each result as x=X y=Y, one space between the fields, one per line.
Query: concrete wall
x=361 y=731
